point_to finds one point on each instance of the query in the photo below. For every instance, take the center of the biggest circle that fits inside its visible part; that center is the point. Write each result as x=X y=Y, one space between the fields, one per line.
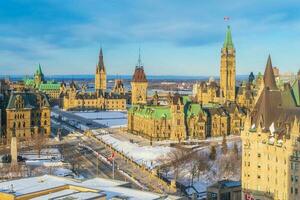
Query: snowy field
x=108 y=118
x=146 y=155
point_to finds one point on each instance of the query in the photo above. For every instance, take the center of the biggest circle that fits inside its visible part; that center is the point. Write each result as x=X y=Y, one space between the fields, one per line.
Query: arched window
x=45 y=122
x=19 y=125
x=24 y=124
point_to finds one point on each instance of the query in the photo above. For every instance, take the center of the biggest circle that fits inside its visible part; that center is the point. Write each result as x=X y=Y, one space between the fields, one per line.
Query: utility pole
x=113 y=168
x=97 y=155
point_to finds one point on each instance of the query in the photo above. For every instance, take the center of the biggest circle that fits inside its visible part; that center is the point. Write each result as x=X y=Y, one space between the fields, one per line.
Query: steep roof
x=228 y=39
x=296 y=92
x=49 y=86
x=194 y=109
x=269 y=78
x=272 y=104
x=151 y=112
x=139 y=75
x=100 y=65
x=30 y=99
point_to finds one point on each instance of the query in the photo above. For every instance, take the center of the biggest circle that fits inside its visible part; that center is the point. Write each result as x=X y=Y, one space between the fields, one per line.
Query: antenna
x=139 y=64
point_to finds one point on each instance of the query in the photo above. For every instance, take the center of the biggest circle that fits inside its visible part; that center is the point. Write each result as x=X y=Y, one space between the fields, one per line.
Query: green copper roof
x=296 y=90
x=39 y=71
x=151 y=112
x=49 y=86
x=30 y=99
x=194 y=109
x=186 y=99
x=29 y=82
x=228 y=39
x=259 y=74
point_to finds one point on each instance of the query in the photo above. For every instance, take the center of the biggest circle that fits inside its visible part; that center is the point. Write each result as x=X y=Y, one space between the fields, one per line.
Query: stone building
x=139 y=84
x=226 y=90
x=72 y=98
x=271 y=143
x=50 y=88
x=119 y=87
x=182 y=118
x=27 y=114
x=212 y=112
x=100 y=75
x=227 y=69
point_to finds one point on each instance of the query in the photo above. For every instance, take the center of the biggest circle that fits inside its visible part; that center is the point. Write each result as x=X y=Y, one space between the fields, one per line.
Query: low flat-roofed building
x=53 y=187
x=224 y=190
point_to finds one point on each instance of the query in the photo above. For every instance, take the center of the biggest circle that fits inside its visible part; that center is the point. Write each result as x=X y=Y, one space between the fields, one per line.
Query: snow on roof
x=70 y=194
x=111 y=188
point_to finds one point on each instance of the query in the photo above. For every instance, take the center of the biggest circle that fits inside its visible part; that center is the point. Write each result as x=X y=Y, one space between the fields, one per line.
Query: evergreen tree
x=213 y=152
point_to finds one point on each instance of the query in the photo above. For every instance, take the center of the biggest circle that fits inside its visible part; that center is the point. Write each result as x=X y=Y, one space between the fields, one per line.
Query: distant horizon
x=124 y=77
x=64 y=38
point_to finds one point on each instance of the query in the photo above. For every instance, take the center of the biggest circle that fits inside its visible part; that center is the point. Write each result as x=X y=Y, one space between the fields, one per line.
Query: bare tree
x=236 y=150
x=202 y=163
x=224 y=145
x=40 y=141
x=174 y=159
x=213 y=152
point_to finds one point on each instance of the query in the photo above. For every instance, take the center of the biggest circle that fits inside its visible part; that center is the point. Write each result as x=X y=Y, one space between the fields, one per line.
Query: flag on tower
x=226 y=18
x=112 y=156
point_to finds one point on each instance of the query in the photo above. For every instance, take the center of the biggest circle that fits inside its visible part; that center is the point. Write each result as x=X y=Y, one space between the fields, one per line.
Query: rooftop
x=47 y=186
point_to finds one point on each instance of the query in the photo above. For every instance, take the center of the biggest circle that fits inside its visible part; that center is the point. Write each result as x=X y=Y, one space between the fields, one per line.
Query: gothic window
x=23 y=124
x=19 y=125
x=19 y=103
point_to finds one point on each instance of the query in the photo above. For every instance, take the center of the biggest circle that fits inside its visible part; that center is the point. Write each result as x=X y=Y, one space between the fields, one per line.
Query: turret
x=38 y=76
x=227 y=70
x=139 y=84
x=100 y=76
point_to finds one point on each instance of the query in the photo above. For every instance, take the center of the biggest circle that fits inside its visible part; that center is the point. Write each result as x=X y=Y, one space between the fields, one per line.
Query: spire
x=39 y=70
x=269 y=79
x=228 y=39
x=100 y=62
x=139 y=63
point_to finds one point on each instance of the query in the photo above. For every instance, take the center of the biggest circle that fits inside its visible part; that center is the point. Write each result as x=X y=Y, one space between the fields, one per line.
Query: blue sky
x=177 y=37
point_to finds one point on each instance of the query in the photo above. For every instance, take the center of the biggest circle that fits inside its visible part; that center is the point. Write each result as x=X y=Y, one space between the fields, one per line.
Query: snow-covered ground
x=45 y=154
x=108 y=118
x=146 y=155
x=223 y=167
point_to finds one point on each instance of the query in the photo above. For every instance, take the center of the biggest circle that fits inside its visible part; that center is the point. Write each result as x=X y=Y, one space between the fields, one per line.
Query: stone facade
x=227 y=91
x=100 y=75
x=271 y=147
x=50 y=88
x=212 y=112
x=139 y=85
x=183 y=119
x=27 y=114
x=72 y=98
x=227 y=69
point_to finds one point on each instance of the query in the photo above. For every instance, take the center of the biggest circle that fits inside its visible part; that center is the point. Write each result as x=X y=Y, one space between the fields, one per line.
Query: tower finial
x=139 y=64
x=228 y=39
x=100 y=65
